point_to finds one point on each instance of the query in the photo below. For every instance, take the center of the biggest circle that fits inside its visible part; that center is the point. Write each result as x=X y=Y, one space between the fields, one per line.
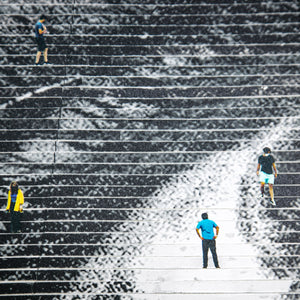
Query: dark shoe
x=218 y=267
x=204 y=268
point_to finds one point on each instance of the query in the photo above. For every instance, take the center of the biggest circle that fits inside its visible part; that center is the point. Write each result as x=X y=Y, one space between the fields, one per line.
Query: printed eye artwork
x=137 y=119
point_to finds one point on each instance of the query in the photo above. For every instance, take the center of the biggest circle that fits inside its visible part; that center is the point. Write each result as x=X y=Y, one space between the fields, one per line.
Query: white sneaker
x=273 y=202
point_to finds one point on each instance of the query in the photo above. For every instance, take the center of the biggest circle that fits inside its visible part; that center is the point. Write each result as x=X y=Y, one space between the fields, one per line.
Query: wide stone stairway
x=151 y=113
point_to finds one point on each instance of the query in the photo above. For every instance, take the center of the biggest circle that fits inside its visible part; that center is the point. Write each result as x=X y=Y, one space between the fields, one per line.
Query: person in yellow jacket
x=15 y=203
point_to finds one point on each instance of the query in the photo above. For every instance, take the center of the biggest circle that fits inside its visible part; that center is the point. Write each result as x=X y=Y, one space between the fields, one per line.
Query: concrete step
x=95 y=226
x=230 y=250
x=138 y=40
x=53 y=122
x=147 y=135
x=126 y=146
x=150 y=81
x=159 y=9
x=128 y=29
x=215 y=71
x=139 y=60
x=60 y=90
x=150 y=19
x=157 y=287
x=101 y=158
x=154 y=268
x=187 y=114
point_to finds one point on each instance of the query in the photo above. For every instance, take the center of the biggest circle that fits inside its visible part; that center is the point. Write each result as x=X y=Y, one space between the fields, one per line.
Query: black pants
x=15 y=219
x=209 y=244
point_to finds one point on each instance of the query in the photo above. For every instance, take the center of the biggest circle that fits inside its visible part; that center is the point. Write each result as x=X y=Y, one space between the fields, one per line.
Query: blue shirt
x=207 y=228
x=38 y=26
x=13 y=198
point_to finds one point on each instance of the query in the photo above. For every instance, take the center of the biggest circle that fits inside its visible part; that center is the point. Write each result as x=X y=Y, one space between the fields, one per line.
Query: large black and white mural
x=150 y=113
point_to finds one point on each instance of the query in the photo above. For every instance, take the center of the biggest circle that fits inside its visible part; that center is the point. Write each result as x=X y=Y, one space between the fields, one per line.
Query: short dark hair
x=204 y=216
x=42 y=17
x=267 y=150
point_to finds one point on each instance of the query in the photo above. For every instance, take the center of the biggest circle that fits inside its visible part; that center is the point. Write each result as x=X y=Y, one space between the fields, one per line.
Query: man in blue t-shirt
x=265 y=166
x=40 y=30
x=208 y=238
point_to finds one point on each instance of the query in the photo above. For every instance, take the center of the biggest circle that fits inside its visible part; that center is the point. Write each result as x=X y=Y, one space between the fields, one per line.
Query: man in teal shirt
x=208 y=238
x=40 y=30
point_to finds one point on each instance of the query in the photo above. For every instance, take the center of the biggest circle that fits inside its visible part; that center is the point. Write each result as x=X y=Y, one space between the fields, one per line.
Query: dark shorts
x=41 y=44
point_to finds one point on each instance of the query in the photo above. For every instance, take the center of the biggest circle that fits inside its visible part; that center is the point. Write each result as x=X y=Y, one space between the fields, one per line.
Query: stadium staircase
x=151 y=113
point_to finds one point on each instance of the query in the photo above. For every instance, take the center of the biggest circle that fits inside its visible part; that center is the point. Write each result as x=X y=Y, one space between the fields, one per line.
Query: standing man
x=40 y=30
x=208 y=239
x=266 y=164
x=15 y=203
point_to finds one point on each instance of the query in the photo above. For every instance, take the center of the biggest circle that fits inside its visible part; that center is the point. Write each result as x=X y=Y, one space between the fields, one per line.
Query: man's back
x=266 y=163
x=207 y=227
